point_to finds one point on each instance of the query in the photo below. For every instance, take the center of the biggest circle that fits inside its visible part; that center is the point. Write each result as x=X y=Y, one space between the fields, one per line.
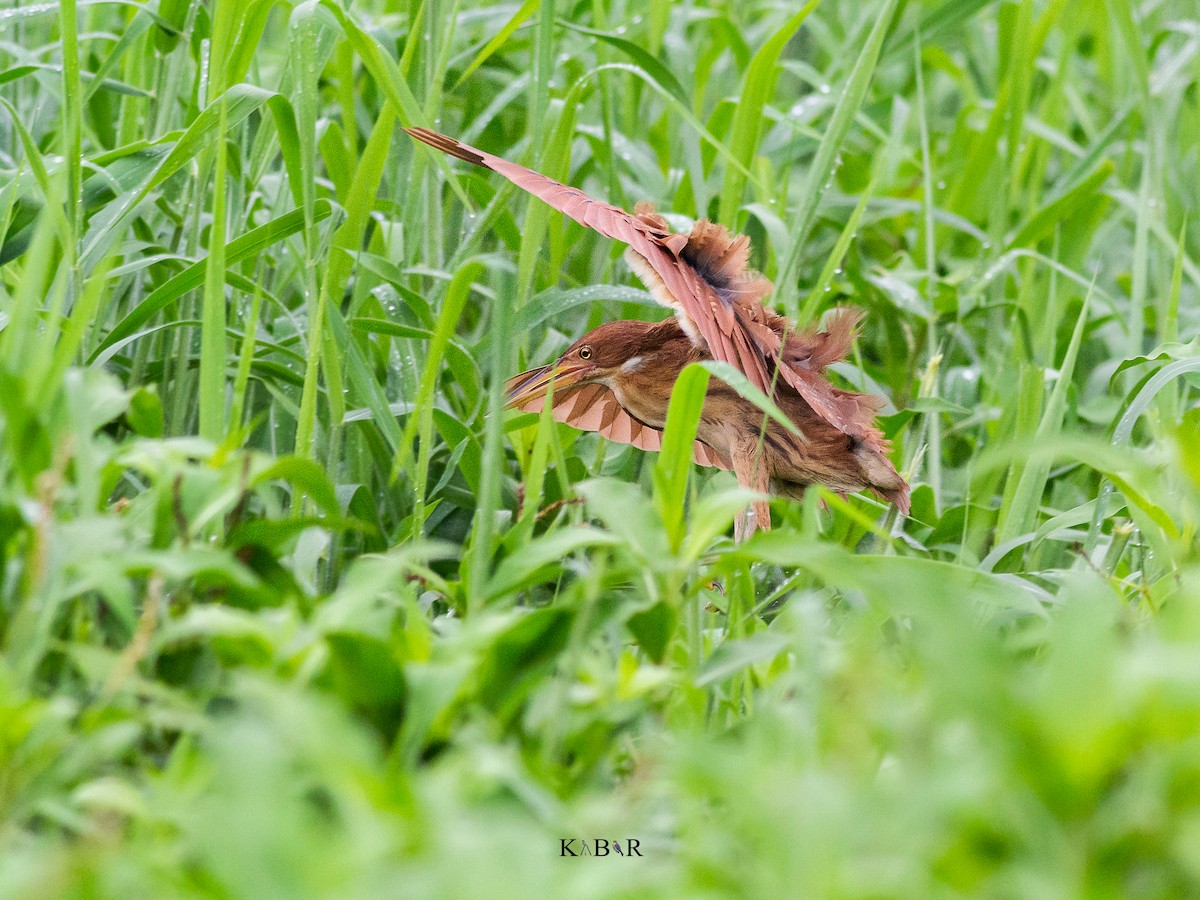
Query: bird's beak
x=527 y=390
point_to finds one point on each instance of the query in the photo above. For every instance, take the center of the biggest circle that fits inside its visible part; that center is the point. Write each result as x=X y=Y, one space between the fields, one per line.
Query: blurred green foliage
x=289 y=606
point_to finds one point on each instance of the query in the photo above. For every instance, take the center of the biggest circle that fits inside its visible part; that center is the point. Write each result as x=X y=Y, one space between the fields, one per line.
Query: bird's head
x=601 y=355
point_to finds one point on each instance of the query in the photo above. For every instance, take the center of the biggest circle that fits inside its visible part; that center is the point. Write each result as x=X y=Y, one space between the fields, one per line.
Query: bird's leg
x=751 y=470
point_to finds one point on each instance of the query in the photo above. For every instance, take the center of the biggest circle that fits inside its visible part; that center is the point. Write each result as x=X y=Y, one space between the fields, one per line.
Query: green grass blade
x=639 y=57
x=239 y=102
x=72 y=134
x=1020 y=515
x=498 y=40
x=820 y=171
x=757 y=89
x=675 y=459
x=212 y=333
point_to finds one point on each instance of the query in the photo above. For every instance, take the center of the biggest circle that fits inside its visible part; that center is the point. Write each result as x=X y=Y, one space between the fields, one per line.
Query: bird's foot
x=744 y=526
x=756 y=518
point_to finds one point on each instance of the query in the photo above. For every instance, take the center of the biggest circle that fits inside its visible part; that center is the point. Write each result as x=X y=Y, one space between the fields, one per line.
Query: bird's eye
x=585 y=352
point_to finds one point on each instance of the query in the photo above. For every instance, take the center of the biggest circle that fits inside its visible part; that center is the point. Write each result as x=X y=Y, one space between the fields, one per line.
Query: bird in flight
x=617 y=379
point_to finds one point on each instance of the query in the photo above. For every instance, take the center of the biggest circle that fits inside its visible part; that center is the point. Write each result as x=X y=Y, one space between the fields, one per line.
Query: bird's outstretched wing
x=593 y=407
x=708 y=316
x=704 y=277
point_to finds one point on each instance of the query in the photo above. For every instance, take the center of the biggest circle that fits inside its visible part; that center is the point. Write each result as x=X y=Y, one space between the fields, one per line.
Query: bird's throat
x=646 y=402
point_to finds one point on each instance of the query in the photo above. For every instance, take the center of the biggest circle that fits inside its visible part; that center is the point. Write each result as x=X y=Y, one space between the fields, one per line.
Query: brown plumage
x=617 y=379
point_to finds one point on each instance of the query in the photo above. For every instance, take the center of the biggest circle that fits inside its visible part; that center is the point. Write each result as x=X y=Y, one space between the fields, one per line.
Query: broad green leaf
x=732 y=657
x=535 y=559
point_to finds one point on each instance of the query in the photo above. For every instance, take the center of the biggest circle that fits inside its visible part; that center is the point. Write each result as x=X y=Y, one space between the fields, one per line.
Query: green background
x=289 y=605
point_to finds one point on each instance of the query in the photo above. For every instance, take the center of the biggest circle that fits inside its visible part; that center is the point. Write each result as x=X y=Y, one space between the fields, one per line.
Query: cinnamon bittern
x=617 y=379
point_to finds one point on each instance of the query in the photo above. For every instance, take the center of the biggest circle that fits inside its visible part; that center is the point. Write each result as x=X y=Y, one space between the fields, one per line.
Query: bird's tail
x=883 y=478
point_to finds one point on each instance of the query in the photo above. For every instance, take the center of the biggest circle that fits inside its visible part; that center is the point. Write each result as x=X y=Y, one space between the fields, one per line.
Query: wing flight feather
x=593 y=407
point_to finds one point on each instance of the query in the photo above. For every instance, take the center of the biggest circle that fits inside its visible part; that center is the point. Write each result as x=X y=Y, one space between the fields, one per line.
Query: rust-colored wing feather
x=709 y=315
x=593 y=407
x=704 y=277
